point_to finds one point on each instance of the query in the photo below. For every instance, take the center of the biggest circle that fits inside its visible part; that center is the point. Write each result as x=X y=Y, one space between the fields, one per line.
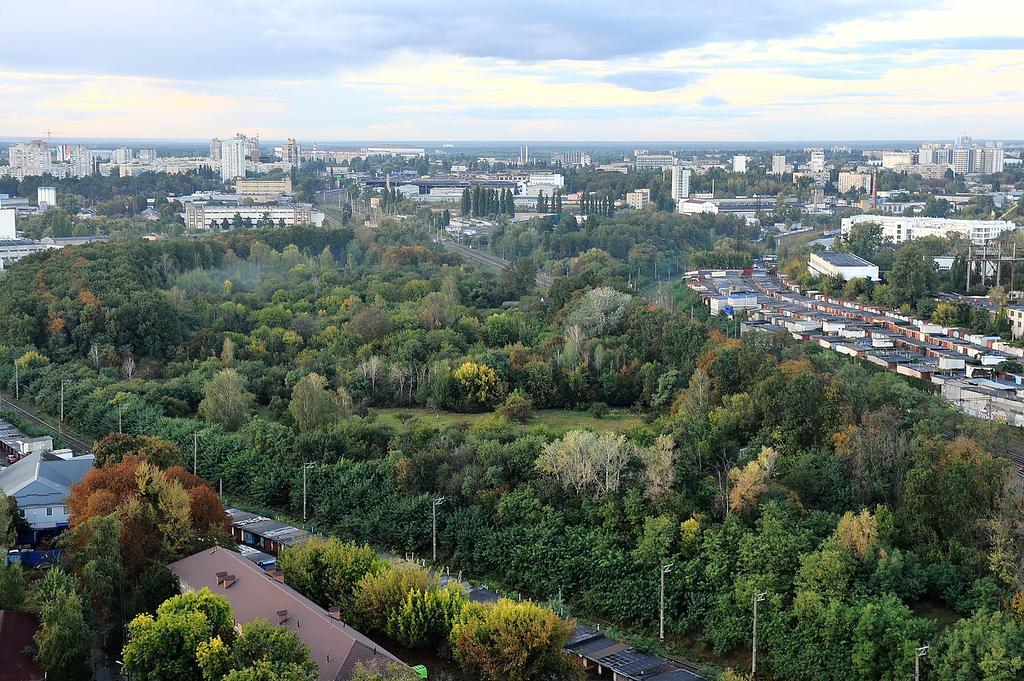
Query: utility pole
x=120 y=408
x=921 y=652
x=60 y=425
x=195 y=452
x=437 y=502
x=753 y=656
x=661 y=602
x=305 y=467
x=16 y=382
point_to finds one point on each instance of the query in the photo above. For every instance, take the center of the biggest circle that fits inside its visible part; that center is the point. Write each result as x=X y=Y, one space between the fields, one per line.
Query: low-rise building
x=638 y=199
x=334 y=645
x=692 y=206
x=898 y=228
x=845 y=265
x=199 y=216
x=263 y=188
x=39 y=484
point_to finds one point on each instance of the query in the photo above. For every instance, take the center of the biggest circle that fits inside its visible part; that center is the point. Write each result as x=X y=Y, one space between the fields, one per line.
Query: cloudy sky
x=520 y=70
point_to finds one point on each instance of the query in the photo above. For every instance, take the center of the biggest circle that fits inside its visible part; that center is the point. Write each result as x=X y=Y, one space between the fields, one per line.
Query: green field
x=556 y=419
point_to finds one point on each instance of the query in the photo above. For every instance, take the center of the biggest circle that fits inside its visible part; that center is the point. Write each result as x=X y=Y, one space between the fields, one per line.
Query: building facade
x=198 y=216
x=848 y=181
x=638 y=199
x=263 y=188
x=680 y=183
x=779 y=164
x=899 y=229
x=233 y=155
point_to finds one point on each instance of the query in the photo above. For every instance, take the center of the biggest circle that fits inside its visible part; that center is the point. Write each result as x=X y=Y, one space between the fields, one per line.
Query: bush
x=516 y=407
x=598 y=410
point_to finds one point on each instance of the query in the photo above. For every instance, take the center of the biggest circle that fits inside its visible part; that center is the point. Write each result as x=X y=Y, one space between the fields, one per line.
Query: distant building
x=233 y=155
x=396 y=150
x=692 y=206
x=30 y=159
x=39 y=484
x=7 y=222
x=898 y=228
x=292 y=153
x=147 y=155
x=779 y=164
x=46 y=197
x=198 y=215
x=654 y=161
x=845 y=265
x=848 y=181
x=215 y=150
x=122 y=155
x=817 y=162
x=263 y=188
x=638 y=199
x=680 y=183
x=739 y=163
x=571 y=159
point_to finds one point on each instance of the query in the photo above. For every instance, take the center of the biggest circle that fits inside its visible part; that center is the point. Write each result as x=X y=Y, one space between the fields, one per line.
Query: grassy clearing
x=558 y=420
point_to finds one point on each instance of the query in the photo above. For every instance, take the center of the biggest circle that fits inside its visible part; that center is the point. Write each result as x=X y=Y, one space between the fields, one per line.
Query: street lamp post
x=63 y=382
x=661 y=602
x=305 y=467
x=921 y=652
x=195 y=452
x=17 y=388
x=120 y=408
x=753 y=652
x=437 y=502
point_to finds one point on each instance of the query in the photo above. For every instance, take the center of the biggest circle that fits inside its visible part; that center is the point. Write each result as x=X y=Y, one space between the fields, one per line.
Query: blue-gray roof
x=43 y=479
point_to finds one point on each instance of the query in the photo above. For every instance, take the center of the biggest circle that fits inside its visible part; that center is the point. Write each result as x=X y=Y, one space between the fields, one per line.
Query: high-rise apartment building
x=961 y=160
x=779 y=164
x=254 y=149
x=147 y=155
x=817 y=163
x=31 y=158
x=739 y=163
x=215 y=150
x=233 y=155
x=292 y=153
x=680 y=183
x=122 y=155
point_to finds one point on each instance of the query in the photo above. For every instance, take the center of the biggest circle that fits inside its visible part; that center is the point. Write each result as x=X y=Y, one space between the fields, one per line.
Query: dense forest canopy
x=869 y=511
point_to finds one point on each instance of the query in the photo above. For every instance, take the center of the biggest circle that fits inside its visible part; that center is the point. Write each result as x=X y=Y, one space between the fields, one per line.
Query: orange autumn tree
x=164 y=514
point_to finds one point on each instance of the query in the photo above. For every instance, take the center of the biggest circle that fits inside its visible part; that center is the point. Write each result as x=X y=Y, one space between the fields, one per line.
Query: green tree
x=64 y=639
x=226 y=401
x=912 y=276
x=164 y=647
x=312 y=405
x=989 y=646
x=329 y=571
x=259 y=651
x=509 y=640
x=426 y=618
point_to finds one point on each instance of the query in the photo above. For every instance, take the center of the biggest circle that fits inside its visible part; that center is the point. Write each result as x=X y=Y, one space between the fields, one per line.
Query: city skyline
x=595 y=72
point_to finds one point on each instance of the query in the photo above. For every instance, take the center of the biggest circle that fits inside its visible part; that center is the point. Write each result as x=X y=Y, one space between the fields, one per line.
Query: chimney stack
x=228 y=581
x=335 y=613
x=220 y=577
x=282 y=616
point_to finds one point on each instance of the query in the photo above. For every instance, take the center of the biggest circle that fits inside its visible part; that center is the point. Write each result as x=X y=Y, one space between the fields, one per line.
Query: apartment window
x=21 y=512
x=49 y=510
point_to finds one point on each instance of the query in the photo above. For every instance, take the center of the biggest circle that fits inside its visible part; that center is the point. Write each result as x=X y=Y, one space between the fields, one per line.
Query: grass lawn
x=556 y=419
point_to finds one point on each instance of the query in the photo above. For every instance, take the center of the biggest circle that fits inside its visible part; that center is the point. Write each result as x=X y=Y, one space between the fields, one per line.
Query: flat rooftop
x=843 y=259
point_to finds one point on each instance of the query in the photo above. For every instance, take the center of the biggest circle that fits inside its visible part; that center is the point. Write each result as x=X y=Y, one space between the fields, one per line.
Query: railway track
x=74 y=444
x=1015 y=457
x=491 y=260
